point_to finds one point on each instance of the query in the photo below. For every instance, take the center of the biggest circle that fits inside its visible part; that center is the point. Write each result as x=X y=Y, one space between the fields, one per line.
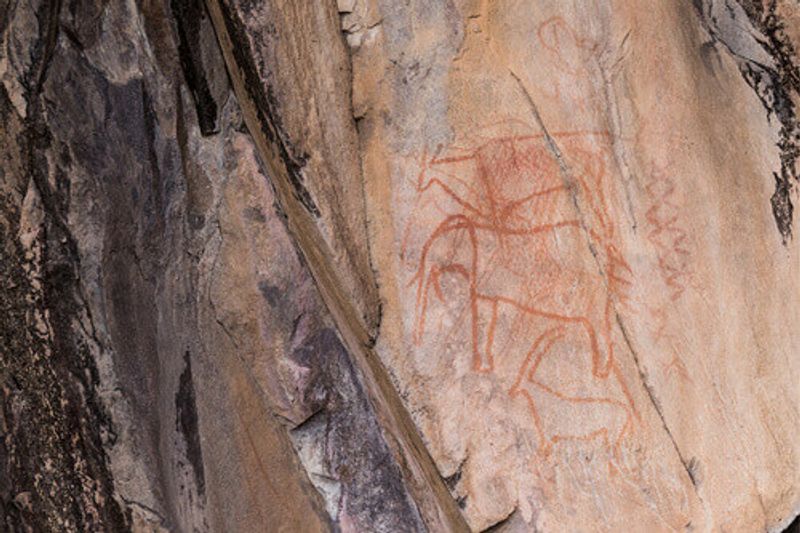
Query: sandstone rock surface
x=372 y=265
x=581 y=220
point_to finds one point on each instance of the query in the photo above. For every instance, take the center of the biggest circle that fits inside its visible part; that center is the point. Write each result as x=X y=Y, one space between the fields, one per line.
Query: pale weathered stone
x=586 y=268
x=369 y=265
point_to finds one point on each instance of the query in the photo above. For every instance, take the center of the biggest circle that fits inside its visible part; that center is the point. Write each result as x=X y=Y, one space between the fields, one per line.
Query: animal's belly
x=549 y=272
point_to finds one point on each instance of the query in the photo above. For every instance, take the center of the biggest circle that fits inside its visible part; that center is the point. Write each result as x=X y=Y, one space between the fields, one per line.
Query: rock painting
x=536 y=278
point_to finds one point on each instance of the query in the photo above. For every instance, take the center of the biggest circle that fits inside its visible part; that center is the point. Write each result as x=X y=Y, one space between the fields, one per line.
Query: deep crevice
x=689 y=466
x=267 y=109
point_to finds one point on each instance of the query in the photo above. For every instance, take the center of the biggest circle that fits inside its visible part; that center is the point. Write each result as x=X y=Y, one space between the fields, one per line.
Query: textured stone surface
x=367 y=265
x=581 y=221
x=167 y=363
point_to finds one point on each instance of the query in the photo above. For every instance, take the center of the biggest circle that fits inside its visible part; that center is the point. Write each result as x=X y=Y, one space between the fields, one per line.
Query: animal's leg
x=427 y=277
x=605 y=367
x=545 y=444
x=600 y=324
x=526 y=375
x=604 y=362
x=483 y=360
x=596 y=345
x=597 y=328
x=568 y=401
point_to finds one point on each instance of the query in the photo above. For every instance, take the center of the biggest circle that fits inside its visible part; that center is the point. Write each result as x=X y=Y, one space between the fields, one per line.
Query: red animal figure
x=511 y=235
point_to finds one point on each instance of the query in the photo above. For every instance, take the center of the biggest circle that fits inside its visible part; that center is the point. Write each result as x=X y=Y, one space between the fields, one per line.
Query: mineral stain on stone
x=186 y=422
x=777 y=87
x=53 y=465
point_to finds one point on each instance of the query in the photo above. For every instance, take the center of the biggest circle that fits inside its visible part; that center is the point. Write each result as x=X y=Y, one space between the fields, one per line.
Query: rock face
x=167 y=363
x=582 y=225
x=399 y=266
